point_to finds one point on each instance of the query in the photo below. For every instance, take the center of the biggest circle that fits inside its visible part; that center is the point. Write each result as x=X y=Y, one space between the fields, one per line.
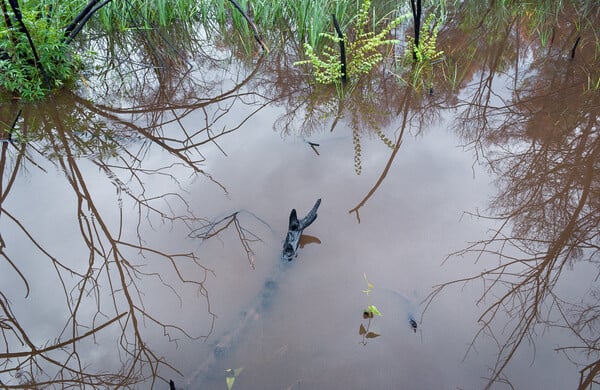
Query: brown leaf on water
x=362 y=330
x=372 y=335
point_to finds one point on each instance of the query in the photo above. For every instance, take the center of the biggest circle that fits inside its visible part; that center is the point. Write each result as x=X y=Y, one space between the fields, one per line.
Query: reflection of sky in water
x=309 y=336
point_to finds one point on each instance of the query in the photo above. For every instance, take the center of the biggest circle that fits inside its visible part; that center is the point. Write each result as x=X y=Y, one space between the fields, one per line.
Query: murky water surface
x=161 y=211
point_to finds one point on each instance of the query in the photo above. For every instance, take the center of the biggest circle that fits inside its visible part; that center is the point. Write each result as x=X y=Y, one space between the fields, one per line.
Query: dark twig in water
x=314 y=147
x=575 y=47
x=340 y=35
x=245 y=236
x=77 y=25
x=228 y=341
x=251 y=24
x=416 y=11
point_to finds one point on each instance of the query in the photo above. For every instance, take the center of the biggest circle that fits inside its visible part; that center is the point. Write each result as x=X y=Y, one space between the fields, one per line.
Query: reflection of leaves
x=60 y=133
x=544 y=145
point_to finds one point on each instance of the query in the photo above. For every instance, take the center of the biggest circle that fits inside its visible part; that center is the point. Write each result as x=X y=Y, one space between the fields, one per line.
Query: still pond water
x=164 y=207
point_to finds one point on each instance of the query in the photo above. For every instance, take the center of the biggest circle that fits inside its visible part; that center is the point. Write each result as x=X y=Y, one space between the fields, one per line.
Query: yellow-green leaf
x=374 y=310
x=229 y=381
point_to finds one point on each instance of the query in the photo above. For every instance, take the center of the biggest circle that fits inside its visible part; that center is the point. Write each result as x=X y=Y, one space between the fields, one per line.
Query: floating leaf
x=372 y=335
x=230 y=380
x=233 y=373
x=374 y=310
x=362 y=330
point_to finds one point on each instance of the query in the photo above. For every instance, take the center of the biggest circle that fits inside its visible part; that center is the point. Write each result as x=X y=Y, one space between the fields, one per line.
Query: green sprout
x=368 y=314
x=232 y=374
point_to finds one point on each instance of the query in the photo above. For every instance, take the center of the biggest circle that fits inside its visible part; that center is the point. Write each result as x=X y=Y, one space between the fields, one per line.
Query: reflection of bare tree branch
x=390 y=160
x=246 y=237
x=119 y=260
x=545 y=145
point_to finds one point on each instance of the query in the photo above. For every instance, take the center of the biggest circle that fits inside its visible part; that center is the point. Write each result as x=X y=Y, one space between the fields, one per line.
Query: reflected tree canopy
x=542 y=141
x=67 y=134
x=539 y=136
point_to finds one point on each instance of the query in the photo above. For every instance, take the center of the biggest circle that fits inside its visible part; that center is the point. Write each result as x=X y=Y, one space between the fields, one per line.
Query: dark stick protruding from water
x=257 y=36
x=575 y=47
x=416 y=11
x=84 y=16
x=295 y=228
x=340 y=35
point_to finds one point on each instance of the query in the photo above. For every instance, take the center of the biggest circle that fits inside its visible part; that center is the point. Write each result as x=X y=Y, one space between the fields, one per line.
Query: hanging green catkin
x=356 y=142
x=384 y=138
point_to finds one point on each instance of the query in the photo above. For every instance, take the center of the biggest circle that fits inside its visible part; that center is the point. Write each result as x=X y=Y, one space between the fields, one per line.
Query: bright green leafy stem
x=19 y=73
x=364 y=51
x=426 y=51
x=232 y=374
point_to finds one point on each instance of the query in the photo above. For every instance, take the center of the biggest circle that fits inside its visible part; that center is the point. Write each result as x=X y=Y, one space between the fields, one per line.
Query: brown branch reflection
x=105 y=290
x=543 y=141
x=369 y=107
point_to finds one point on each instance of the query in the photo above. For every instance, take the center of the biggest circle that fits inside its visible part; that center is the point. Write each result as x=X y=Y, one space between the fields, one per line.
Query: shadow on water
x=526 y=106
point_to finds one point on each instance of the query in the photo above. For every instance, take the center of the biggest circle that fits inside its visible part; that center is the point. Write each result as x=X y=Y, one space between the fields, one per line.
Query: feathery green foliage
x=426 y=51
x=364 y=51
x=418 y=69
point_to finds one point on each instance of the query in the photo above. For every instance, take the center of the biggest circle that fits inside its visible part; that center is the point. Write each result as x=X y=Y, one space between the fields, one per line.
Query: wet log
x=295 y=228
x=231 y=339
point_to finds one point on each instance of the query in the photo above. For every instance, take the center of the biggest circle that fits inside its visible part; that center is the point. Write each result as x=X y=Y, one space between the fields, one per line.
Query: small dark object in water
x=295 y=228
x=171 y=385
x=413 y=324
x=575 y=47
x=314 y=147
